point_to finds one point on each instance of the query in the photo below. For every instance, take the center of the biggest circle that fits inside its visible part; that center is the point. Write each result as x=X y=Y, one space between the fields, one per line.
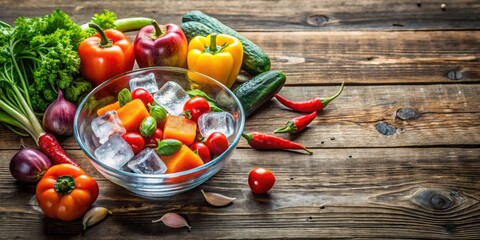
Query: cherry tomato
x=195 y=107
x=261 y=180
x=202 y=150
x=142 y=94
x=217 y=142
x=135 y=140
x=151 y=141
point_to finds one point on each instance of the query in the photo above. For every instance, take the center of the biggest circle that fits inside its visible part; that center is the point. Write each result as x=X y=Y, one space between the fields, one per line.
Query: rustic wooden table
x=410 y=67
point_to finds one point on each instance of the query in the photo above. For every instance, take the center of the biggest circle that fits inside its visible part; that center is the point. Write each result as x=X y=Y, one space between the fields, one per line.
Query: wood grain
x=448 y=116
x=395 y=156
x=285 y=16
x=332 y=193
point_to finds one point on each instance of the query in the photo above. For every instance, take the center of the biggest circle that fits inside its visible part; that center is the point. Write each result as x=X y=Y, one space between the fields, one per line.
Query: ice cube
x=106 y=125
x=172 y=97
x=211 y=122
x=144 y=81
x=115 y=153
x=147 y=162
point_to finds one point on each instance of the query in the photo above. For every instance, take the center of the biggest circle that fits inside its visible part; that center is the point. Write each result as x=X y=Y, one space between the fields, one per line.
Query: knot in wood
x=407 y=114
x=440 y=202
x=432 y=199
x=317 y=20
x=385 y=128
x=455 y=75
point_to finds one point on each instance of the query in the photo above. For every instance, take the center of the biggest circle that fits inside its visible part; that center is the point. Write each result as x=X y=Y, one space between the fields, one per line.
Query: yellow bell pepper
x=217 y=55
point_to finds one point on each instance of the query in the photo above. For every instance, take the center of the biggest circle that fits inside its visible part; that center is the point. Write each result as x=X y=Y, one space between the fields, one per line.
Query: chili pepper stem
x=158 y=30
x=247 y=136
x=290 y=127
x=105 y=41
x=326 y=101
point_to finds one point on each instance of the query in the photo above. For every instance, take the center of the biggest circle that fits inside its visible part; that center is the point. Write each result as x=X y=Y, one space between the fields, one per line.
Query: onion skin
x=29 y=165
x=58 y=117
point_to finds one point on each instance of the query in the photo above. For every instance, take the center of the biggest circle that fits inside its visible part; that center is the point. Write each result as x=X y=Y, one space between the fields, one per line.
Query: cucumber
x=193 y=29
x=261 y=88
x=255 y=60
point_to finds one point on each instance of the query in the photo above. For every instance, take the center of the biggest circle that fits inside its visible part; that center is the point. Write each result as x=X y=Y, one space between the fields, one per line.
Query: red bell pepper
x=105 y=55
x=161 y=45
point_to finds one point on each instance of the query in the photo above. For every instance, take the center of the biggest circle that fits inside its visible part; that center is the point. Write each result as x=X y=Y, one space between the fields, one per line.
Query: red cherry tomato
x=195 y=107
x=151 y=141
x=135 y=140
x=142 y=94
x=261 y=180
x=202 y=150
x=217 y=142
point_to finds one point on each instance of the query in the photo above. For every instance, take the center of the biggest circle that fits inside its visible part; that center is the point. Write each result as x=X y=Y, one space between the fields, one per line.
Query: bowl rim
x=163 y=175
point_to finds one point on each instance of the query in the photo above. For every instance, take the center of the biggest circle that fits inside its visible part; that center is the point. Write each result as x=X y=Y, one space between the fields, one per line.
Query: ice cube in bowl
x=156 y=185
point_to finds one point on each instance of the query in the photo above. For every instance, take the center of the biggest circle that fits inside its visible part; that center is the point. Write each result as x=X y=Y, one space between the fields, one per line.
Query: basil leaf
x=124 y=97
x=148 y=126
x=200 y=93
x=168 y=147
x=158 y=112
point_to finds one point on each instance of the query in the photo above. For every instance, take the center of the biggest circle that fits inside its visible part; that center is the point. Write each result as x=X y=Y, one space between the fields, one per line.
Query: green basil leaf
x=200 y=93
x=148 y=126
x=214 y=107
x=158 y=112
x=124 y=97
x=168 y=147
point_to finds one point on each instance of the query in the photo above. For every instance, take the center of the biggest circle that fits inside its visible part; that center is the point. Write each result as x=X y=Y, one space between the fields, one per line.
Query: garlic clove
x=173 y=220
x=94 y=216
x=216 y=199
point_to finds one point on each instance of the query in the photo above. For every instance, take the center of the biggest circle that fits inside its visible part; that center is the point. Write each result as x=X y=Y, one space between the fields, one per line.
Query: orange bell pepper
x=217 y=56
x=66 y=192
x=105 y=55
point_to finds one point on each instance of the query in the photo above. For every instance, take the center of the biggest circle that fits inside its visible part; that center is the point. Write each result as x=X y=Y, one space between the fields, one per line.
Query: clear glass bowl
x=162 y=184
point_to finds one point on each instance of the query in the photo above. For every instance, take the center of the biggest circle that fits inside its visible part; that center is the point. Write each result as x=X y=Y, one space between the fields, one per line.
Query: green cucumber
x=260 y=89
x=193 y=29
x=255 y=60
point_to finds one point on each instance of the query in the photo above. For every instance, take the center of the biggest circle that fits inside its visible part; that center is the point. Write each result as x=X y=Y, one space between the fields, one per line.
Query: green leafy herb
x=167 y=147
x=200 y=93
x=148 y=126
x=124 y=97
x=37 y=58
x=158 y=112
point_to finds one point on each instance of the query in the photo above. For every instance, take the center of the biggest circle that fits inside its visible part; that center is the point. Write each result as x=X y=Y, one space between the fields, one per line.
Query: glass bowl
x=161 y=184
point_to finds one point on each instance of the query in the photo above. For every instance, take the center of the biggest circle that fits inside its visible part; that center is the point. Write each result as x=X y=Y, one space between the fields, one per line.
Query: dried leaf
x=216 y=199
x=94 y=216
x=173 y=220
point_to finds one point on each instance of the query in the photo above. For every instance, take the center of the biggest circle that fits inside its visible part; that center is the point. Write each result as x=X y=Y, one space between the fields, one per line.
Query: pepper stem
x=289 y=128
x=158 y=30
x=247 y=136
x=105 y=42
x=213 y=42
x=326 y=101
x=64 y=185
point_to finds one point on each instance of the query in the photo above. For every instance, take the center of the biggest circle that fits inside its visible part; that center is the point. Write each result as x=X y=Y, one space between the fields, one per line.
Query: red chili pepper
x=297 y=124
x=314 y=104
x=50 y=146
x=265 y=142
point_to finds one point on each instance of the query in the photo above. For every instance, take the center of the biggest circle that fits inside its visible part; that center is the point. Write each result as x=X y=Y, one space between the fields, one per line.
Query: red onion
x=29 y=165
x=58 y=118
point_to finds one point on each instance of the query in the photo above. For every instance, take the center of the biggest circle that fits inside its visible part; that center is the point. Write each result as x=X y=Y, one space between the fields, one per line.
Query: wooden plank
x=309 y=58
x=448 y=116
x=303 y=15
x=374 y=57
x=366 y=193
